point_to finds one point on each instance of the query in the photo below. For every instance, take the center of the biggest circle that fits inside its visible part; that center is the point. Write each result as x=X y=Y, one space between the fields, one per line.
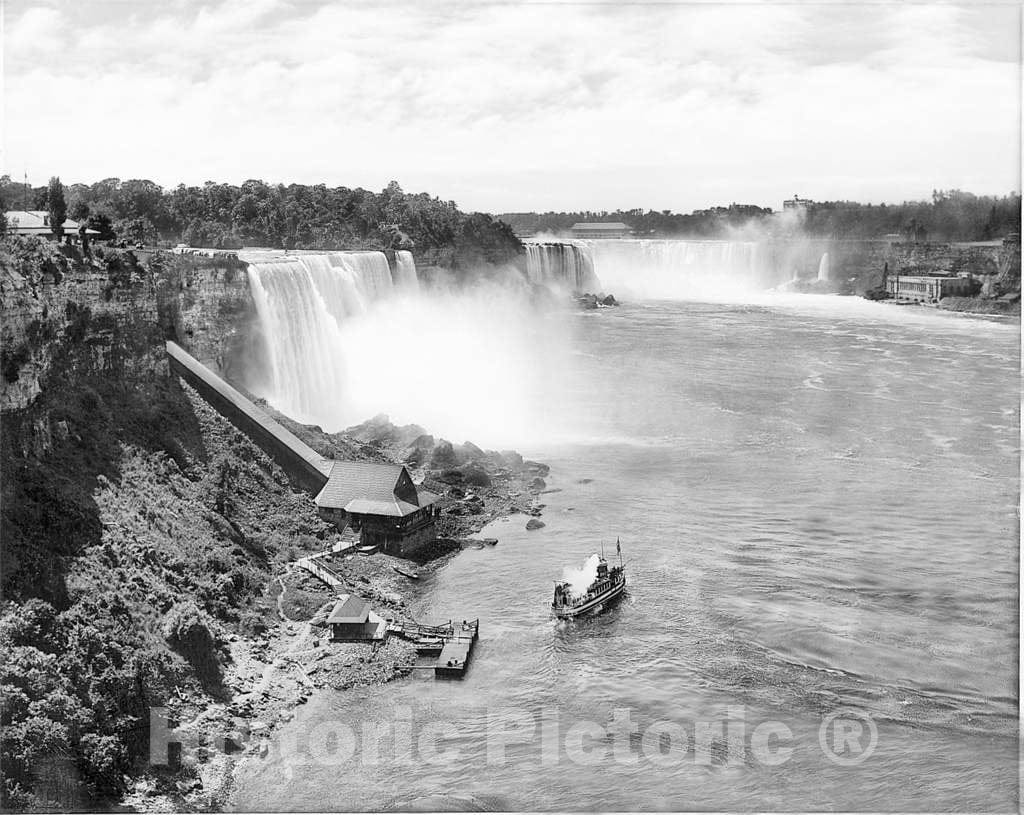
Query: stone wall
x=303 y=464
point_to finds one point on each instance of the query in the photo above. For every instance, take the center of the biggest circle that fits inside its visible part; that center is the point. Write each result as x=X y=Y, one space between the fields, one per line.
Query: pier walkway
x=457 y=650
x=319 y=570
x=452 y=642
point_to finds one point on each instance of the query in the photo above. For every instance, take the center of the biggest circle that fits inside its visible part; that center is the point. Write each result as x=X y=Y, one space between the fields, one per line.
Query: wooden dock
x=454 y=658
x=452 y=642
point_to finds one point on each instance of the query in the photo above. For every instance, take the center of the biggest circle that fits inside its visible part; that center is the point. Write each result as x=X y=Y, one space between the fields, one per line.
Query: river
x=816 y=499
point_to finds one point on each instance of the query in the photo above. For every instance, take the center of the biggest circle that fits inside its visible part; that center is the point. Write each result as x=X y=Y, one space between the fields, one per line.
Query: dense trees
x=56 y=206
x=72 y=681
x=296 y=216
x=302 y=216
x=482 y=239
x=951 y=215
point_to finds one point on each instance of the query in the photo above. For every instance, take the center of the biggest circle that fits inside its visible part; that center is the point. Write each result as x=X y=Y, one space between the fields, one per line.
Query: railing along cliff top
x=297 y=458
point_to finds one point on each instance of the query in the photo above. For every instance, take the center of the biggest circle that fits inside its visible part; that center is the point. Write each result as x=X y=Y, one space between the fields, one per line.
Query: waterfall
x=405 y=271
x=342 y=339
x=562 y=265
x=679 y=269
x=824 y=268
x=302 y=302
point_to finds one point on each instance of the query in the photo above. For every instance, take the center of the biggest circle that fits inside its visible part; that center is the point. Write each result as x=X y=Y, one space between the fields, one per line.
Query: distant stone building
x=797 y=204
x=928 y=288
x=601 y=230
x=382 y=503
x=37 y=222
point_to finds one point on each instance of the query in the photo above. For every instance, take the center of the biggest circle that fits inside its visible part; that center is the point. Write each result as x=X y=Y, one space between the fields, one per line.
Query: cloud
x=505 y=106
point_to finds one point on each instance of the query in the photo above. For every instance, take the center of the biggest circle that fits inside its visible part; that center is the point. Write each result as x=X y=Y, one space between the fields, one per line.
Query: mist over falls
x=655 y=269
x=345 y=336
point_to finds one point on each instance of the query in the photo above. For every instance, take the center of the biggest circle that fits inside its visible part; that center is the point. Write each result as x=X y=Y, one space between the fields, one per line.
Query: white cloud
x=523 y=106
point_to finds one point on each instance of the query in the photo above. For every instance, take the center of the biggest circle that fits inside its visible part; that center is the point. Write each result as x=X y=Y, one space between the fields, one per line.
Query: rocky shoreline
x=268 y=675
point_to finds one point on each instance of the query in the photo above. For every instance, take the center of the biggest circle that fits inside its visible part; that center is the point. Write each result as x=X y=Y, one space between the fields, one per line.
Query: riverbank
x=982 y=306
x=266 y=676
x=971 y=306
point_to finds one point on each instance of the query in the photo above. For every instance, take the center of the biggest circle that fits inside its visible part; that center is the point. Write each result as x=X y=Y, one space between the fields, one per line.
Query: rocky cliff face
x=66 y=316
x=859 y=265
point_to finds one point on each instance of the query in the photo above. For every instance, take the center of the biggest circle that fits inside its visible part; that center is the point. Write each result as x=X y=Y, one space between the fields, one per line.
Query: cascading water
x=679 y=269
x=642 y=268
x=562 y=265
x=405 y=271
x=345 y=339
x=302 y=302
x=824 y=268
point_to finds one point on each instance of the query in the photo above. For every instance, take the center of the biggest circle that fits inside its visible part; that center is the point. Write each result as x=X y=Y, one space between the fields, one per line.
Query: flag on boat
x=618 y=546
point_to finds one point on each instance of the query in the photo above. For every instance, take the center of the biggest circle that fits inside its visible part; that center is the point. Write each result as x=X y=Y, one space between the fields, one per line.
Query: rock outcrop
x=110 y=313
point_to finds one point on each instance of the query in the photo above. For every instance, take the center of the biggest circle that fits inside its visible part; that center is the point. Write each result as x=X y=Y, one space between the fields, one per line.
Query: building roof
x=368 y=488
x=597 y=227
x=37 y=222
x=917 y=278
x=349 y=609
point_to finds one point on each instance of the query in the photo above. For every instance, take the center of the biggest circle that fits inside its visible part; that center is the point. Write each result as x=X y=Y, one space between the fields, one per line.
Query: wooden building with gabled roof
x=351 y=620
x=382 y=502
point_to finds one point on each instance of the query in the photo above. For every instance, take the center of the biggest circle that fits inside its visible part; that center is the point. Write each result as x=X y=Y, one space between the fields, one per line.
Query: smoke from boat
x=579 y=580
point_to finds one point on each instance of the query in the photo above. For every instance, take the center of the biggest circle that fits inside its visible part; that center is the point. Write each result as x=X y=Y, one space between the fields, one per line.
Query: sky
x=506 y=106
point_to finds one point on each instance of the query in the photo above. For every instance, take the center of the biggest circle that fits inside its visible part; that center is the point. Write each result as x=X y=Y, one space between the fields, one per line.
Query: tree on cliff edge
x=57 y=207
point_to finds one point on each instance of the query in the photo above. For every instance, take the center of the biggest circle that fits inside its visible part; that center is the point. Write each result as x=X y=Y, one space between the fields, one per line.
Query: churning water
x=817 y=501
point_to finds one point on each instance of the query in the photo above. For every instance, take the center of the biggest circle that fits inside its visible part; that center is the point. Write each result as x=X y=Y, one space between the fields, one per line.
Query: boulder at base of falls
x=475 y=475
x=443 y=455
x=533 y=523
x=380 y=429
x=536 y=468
x=470 y=452
x=589 y=302
x=510 y=458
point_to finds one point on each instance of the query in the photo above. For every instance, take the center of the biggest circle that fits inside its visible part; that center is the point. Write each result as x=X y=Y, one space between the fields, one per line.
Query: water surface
x=817 y=501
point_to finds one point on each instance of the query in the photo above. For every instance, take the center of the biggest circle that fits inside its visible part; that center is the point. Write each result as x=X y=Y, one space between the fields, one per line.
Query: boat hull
x=575 y=611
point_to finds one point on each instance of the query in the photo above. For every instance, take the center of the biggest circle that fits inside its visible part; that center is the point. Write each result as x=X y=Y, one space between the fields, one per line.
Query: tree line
x=293 y=216
x=950 y=215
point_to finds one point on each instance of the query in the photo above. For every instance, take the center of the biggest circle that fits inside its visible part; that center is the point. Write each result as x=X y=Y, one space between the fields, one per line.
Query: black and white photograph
x=510 y=406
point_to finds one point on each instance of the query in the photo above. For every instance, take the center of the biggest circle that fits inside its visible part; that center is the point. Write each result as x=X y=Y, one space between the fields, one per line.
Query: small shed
x=352 y=621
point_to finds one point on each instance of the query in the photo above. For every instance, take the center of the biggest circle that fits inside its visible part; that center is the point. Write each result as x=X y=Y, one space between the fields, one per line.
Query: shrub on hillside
x=187 y=630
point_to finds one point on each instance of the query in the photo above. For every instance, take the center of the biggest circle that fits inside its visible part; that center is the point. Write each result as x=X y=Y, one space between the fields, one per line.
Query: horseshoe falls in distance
x=562 y=264
x=653 y=269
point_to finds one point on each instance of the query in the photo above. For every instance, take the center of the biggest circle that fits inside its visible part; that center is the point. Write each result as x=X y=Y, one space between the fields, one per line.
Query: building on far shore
x=37 y=222
x=352 y=621
x=601 y=230
x=928 y=288
x=797 y=204
x=382 y=503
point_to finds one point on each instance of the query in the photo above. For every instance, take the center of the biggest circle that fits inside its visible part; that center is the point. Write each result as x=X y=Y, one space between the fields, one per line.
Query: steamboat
x=609 y=583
